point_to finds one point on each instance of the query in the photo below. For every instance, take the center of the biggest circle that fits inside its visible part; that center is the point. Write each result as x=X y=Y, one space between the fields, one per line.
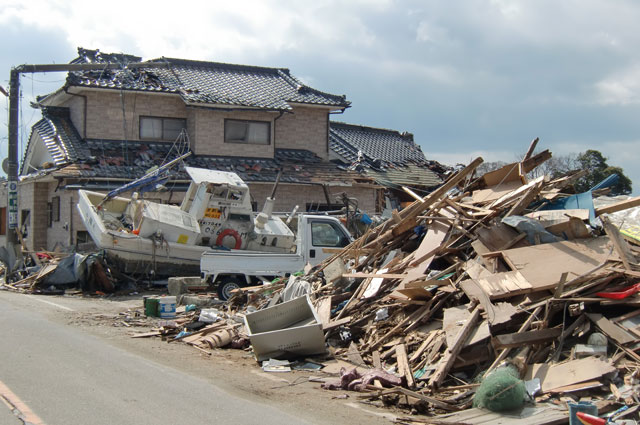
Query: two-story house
x=104 y=128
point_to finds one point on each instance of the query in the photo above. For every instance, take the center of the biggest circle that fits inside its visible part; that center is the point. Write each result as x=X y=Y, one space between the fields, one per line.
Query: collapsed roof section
x=203 y=83
x=390 y=157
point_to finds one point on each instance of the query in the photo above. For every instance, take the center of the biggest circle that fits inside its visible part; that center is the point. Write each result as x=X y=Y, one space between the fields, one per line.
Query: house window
x=55 y=208
x=249 y=132
x=161 y=128
x=49 y=214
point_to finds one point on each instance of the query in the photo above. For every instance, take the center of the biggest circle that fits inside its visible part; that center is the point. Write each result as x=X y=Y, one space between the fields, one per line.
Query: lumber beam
x=452 y=352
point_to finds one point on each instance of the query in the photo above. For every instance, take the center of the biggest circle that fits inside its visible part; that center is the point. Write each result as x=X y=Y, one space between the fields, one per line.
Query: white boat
x=144 y=237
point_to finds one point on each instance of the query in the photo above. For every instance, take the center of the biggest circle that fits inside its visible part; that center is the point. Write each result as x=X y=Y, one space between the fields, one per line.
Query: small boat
x=144 y=237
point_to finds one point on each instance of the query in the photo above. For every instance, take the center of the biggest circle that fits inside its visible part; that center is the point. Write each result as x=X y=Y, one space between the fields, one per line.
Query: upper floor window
x=157 y=128
x=251 y=132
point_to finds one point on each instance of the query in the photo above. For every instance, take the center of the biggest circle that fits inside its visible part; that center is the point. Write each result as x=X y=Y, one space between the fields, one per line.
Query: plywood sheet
x=497 y=236
x=553 y=376
x=542 y=265
x=453 y=320
x=432 y=240
x=553 y=215
x=494 y=192
x=502 y=285
x=541 y=414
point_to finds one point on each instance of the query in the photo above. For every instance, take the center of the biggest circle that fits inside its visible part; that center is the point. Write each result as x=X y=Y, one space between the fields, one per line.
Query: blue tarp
x=583 y=201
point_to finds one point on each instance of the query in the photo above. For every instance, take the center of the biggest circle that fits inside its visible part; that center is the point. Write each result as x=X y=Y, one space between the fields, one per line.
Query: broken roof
x=391 y=157
x=203 y=83
x=101 y=159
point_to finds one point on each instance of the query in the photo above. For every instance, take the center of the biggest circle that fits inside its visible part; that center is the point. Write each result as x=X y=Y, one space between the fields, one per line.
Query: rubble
x=481 y=273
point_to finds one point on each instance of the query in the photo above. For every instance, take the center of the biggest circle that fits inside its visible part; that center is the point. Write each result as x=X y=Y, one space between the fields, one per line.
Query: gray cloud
x=473 y=76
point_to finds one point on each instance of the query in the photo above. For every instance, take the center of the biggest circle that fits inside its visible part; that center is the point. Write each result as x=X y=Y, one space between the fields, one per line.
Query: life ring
x=229 y=232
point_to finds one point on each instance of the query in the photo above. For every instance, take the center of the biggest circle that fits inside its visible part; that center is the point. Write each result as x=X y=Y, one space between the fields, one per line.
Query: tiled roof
x=59 y=136
x=128 y=160
x=388 y=146
x=391 y=157
x=201 y=82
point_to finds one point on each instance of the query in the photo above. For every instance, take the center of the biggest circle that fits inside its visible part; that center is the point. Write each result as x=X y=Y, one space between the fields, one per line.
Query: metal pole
x=12 y=174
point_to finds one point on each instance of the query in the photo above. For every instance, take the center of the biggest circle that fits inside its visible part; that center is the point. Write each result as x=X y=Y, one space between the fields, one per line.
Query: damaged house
x=105 y=128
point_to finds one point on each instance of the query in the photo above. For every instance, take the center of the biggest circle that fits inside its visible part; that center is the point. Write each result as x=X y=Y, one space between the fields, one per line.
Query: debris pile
x=479 y=273
x=54 y=273
x=497 y=292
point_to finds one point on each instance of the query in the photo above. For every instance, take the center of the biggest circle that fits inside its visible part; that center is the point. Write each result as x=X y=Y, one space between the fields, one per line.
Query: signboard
x=13 y=204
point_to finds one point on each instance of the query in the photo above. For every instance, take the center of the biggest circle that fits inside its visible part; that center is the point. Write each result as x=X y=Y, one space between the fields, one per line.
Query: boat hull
x=135 y=254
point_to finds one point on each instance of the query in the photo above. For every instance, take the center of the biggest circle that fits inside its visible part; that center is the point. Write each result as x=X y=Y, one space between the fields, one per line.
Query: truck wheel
x=227 y=285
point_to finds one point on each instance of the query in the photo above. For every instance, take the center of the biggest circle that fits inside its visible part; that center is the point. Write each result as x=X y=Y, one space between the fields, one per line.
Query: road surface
x=52 y=373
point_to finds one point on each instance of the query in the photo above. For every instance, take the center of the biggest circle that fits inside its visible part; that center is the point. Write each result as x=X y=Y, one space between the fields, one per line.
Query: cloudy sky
x=467 y=78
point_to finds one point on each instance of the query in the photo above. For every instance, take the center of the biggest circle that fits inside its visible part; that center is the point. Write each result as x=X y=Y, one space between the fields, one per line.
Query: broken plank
x=609 y=328
x=554 y=376
x=146 y=334
x=618 y=206
x=335 y=323
x=619 y=244
x=452 y=352
x=360 y=275
x=519 y=339
x=403 y=365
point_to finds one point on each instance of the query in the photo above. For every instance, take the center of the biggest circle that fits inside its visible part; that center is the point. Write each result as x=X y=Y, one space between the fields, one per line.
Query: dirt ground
x=236 y=371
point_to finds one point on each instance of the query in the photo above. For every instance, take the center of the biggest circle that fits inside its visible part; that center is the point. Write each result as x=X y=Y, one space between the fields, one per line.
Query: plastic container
x=151 y=306
x=584 y=407
x=167 y=307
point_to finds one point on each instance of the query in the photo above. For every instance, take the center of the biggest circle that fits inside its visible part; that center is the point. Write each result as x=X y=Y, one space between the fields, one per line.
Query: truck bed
x=216 y=262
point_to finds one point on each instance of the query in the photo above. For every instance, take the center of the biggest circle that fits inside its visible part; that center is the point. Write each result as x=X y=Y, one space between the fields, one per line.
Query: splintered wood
x=444 y=292
x=422 y=300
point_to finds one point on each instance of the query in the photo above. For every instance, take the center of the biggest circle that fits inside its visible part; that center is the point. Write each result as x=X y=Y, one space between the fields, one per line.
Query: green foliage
x=597 y=170
x=596 y=164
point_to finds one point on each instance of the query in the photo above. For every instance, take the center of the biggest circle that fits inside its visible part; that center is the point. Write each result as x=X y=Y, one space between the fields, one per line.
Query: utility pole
x=12 y=154
x=12 y=172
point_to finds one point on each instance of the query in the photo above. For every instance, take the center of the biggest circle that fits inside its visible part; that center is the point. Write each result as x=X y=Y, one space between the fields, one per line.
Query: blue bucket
x=583 y=406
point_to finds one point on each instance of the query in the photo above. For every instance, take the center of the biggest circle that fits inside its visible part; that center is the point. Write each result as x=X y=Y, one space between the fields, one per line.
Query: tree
x=596 y=165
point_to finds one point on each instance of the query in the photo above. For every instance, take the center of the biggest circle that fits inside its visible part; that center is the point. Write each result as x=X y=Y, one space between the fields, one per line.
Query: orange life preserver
x=229 y=232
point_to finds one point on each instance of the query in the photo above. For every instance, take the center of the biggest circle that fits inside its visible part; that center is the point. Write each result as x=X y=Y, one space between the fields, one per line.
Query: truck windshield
x=325 y=233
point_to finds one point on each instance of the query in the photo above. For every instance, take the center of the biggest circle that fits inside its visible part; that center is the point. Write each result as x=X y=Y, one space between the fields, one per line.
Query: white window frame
x=253 y=134
x=162 y=123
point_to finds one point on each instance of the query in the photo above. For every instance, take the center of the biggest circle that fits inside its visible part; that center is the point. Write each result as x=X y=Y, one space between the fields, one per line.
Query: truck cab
x=317 y=238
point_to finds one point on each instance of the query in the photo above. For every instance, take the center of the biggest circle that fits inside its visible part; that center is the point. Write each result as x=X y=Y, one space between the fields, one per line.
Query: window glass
x=172 y=129
x=325 y=234
x=161 y=128
x=251 y=132
x=150 y=128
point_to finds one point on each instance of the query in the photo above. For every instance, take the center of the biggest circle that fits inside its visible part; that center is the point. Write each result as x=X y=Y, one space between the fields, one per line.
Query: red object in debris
x=136 y=231
x=43 y=256
x=619 y=295
x=229 y=232
x=590 y=419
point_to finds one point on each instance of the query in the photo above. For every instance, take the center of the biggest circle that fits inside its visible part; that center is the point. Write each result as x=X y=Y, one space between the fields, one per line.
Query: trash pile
x=491 y=297
x=53 y=273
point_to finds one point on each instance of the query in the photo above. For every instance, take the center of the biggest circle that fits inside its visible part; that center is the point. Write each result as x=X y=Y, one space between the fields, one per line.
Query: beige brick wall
x=289 y=195
x=305 y=128
x=105 y=116
x=209 y=134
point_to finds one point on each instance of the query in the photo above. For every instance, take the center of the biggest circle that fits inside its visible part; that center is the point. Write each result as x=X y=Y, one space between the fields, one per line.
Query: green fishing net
x=501 y=390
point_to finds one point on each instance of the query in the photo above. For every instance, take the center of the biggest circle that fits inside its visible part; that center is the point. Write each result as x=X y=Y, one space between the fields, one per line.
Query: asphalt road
x=53 y=373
